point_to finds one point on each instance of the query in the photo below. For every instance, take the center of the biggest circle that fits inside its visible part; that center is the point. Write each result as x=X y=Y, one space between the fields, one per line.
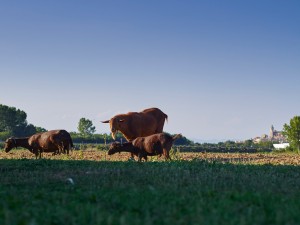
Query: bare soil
x=235 y=158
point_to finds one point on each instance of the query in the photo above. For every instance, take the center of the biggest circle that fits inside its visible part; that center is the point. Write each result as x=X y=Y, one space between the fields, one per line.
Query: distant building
x=281 y=146
x=274 y=136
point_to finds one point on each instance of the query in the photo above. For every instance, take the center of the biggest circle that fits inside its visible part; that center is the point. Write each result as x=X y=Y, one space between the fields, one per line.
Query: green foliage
x=265 y=144
x=231 y=146
x=13 y=123
x=94 y=138
x=183 y=141
x=12 y=120
x=177 y=192
x=248 y=143
x=292 y=132
x=4 y=135
x=85 y=127
x=40 y=129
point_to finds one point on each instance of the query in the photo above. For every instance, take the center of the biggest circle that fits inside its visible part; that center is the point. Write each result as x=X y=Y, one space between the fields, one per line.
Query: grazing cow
x=155 y=144
x=125 y=147
x=137 y=124
x=55 y=141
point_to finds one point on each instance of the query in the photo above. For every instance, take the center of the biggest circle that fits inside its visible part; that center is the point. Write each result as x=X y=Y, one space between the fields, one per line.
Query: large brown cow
x=138 y=124
x=155 y=144
x=55 y=141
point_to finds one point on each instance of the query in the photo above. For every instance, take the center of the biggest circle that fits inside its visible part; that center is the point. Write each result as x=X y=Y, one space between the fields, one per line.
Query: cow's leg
x=166 y=154
x=132 y=156
x=64 y=147
x=140 y=156
x=67 y=149
x=36 y=154
x=61 y=148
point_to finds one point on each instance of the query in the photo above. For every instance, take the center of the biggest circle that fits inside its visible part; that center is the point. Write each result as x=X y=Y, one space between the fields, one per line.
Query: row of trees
x=13 y=122
x=241 y=145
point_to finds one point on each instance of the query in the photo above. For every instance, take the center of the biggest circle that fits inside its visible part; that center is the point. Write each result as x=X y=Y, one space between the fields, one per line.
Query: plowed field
x=235 y=158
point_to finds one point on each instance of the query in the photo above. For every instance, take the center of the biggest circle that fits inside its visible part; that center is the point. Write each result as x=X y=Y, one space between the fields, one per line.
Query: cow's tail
x=176 y=136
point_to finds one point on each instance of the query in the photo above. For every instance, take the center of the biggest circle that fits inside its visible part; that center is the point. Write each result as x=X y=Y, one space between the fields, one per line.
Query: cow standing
x=137 y=124
x=55 y=141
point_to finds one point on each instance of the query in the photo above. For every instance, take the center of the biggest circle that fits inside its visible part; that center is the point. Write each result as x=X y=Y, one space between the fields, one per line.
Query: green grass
x=177 y=192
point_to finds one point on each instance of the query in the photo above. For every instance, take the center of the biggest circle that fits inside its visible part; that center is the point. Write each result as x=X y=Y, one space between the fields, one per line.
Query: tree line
x=13 y=122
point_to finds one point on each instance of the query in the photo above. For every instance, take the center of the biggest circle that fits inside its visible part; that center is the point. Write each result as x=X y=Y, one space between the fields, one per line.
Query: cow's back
x=59 y=137
x=149 y=121
x=49 y=140
x=158 y=116
x=155 y=113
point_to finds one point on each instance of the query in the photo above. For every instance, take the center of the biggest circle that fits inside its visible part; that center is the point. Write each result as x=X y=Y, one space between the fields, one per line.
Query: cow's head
x=114 y=147
x=10 y=143
x=116 y=124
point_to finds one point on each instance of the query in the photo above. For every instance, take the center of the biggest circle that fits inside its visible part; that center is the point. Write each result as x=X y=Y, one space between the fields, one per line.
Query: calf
x=155 y=144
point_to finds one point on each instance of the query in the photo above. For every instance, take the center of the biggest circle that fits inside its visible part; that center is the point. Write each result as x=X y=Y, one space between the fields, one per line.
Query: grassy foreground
x=177 y=192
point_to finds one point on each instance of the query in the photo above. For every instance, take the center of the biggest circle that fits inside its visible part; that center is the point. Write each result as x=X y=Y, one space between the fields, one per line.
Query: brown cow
x=55 y=141
x=125 y=147
x=137 y=124
x=155 y=144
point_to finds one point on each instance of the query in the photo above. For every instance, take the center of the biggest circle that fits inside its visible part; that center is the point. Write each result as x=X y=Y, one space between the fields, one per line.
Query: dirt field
x=96 y=155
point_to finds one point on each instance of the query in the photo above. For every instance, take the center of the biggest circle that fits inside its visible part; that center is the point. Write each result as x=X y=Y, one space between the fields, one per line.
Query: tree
x=40 y=129
x=29 y=130
x=248 y=143
x=12 y=120
x=13 y=123
x=292 y=132
x=4 y=135
x=85 y=127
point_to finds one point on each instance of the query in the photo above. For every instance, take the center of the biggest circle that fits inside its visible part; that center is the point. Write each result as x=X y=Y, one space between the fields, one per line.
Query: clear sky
x=219 y=69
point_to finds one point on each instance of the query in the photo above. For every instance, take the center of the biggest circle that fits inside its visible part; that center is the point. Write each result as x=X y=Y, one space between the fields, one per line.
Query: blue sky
x=219 y=69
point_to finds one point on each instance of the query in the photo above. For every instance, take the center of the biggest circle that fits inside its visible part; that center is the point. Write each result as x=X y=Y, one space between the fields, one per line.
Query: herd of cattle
x=143 y=131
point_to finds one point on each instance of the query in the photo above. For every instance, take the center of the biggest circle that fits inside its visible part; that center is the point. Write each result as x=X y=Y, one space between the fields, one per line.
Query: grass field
x=193 y=189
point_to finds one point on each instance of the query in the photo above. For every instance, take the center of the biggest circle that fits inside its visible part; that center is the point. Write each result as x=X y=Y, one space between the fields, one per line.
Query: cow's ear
x=106 y=121
x=121 y=120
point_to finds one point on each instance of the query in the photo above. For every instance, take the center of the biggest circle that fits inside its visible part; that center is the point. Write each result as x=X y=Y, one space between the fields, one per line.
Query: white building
x=281 y=146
